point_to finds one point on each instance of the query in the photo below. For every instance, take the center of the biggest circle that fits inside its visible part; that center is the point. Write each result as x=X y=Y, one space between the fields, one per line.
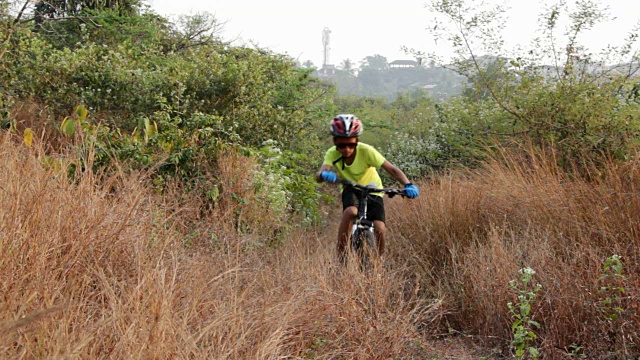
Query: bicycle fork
x=360 y=222
x=362 y=225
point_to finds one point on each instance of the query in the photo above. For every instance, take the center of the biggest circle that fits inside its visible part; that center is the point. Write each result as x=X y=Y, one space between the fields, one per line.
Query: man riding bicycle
x=352 y=160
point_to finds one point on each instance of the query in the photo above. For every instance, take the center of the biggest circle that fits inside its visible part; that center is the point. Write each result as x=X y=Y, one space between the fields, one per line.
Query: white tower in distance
x=327 y=70
x=325 y=43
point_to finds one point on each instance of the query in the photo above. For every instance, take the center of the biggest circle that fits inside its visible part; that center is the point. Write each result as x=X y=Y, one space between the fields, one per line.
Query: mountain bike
x=363 y=240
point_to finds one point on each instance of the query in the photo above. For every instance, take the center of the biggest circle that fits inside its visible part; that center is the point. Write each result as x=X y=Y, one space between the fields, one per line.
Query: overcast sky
x=360 y=28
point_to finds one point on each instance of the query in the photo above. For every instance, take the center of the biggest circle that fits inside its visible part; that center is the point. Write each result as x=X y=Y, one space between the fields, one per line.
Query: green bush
x=263 y=94
x=583 y=105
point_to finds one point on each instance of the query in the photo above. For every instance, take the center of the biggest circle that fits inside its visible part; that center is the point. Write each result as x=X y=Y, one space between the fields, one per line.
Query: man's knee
x=350 y=212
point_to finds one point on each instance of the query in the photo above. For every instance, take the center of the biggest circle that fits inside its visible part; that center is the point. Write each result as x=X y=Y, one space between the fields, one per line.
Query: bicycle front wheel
x=364 y=246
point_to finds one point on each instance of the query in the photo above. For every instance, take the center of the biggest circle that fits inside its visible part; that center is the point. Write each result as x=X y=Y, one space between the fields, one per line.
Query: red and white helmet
x=346 y=125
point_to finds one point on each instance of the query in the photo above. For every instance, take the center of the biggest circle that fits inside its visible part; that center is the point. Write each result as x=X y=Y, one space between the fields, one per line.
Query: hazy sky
x=360 y=28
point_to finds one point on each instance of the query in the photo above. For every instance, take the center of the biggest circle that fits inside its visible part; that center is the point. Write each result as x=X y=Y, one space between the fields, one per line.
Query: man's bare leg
x=344 y=230
x=380 y=228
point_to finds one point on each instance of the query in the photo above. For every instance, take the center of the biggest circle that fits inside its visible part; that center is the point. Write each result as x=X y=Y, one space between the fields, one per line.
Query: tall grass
x=469 y=234
x=107 y=268
x=110 y=269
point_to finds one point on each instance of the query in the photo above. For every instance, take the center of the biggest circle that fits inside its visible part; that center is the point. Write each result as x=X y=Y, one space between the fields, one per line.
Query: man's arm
x=322 y=168
x=395 y=172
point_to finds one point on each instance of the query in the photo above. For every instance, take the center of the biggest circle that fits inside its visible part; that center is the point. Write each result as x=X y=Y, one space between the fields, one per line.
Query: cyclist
x=352 y=160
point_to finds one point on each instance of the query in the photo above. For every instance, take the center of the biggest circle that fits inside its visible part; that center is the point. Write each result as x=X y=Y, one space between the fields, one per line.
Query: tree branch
x=12 y=27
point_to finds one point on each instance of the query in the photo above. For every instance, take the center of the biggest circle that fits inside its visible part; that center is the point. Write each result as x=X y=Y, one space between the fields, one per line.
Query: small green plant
x=6 y=122
x=613 y=306
x=523 y=324
x=612 y=287
x=315 y=345
x=576 y=352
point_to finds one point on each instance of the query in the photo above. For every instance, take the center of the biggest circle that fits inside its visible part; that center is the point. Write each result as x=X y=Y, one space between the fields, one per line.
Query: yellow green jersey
x=362 y=170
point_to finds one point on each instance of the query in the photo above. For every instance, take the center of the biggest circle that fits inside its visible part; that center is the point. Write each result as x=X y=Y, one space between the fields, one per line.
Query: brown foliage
x=469 y=234
x=110 y=268
x=93 y=271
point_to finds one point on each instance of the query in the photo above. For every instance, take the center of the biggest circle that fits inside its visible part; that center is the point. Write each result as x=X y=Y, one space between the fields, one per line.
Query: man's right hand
x=329 y=176
x=411 y=191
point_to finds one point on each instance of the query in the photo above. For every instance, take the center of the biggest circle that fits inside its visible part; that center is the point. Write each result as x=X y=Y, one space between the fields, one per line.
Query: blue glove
x=329 y=176
x=411 y=191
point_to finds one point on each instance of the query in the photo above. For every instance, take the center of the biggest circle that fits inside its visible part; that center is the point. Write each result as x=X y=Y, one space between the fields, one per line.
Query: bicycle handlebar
x=391 y=192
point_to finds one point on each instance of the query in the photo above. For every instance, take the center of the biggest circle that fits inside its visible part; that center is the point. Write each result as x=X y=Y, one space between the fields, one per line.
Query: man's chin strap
x=340 y=158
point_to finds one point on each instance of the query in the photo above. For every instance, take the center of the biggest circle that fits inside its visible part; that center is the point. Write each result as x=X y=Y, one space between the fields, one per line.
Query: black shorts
x=375 y=204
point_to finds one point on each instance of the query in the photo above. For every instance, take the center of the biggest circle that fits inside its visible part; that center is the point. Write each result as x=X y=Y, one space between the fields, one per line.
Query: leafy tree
x=385 y=82
x=375 y=62
x=575 y=104
x=54 y=9
x=347 y=66
x=199 y=29
x=66 y=23
x=108 y=28
x=169 y=98
x=373 y=82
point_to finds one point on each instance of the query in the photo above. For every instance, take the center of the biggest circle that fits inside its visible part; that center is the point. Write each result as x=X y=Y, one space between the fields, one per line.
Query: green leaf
x=68 y=126
x=28 y=136
x=82 y=113
x=213 y=194
x=150 y=129
x=534 y=323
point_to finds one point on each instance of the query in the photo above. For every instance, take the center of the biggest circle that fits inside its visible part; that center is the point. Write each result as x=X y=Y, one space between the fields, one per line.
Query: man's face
x=346 y=146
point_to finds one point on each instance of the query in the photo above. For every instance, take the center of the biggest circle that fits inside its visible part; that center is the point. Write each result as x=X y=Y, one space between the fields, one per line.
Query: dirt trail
x=445 y=347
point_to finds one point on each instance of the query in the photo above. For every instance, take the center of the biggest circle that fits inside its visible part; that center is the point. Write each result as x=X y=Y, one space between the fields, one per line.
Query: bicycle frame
x=361 y=223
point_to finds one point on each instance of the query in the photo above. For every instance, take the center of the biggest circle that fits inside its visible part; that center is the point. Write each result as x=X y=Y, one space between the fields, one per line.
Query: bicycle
x=363 y=240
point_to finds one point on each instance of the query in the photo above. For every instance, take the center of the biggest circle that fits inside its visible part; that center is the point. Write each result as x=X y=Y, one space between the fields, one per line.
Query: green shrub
x=584 y=105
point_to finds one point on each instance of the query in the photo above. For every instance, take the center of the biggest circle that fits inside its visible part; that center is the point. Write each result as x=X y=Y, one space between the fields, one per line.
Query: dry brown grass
x=111 y=269
x=92 y=271
x=469 y=234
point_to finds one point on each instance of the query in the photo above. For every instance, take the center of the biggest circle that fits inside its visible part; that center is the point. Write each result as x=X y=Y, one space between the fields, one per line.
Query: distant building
x=422 y=85
x=429 y=88
x=326 y=70
x=403 y=64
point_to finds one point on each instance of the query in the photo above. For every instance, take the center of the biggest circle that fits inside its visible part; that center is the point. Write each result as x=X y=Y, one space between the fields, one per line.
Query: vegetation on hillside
x=160 y=100
x=158 y=197
x=378 y=78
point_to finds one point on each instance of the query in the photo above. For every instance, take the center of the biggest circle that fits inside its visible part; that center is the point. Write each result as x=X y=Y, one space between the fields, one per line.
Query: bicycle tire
x=365 y=247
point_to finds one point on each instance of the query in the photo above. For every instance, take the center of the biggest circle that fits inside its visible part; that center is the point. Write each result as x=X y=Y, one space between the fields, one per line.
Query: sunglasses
x=348 y=145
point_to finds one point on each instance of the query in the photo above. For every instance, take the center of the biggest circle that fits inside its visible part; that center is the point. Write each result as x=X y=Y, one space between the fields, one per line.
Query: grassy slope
x=472 y=233
x=90 y=273
x=117 y=271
